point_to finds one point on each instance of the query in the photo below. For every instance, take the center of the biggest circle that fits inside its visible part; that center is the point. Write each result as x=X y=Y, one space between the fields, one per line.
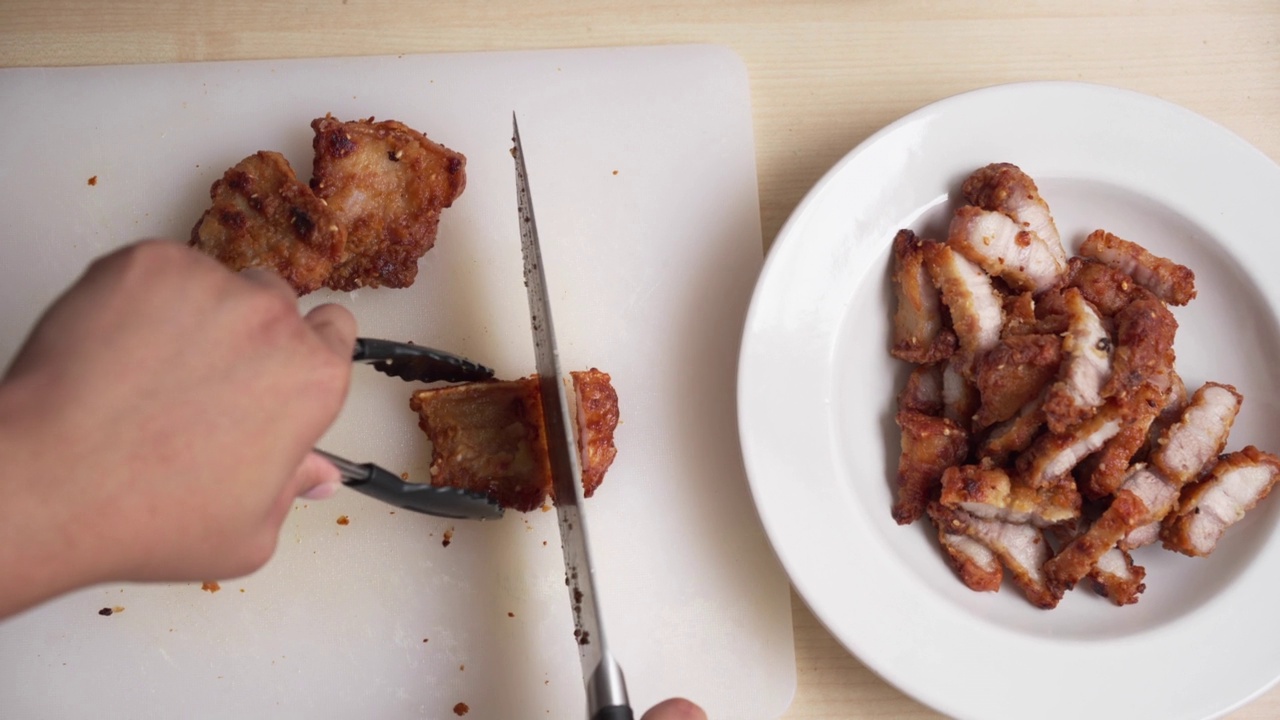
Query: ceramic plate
x=817 y=388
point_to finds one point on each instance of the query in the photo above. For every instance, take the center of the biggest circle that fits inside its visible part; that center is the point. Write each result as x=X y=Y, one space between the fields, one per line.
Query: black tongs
x=415 y=363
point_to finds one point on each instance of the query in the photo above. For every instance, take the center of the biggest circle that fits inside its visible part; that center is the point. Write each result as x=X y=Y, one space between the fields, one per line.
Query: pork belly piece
x=489 y=437
x=1237 y=483
x=1015 y=434
x=1201 y=433
x=388 y=184
x=263 y=216
x=1117 y=578
x=1101 y=473
x=1086 y=366
x=1004 y=249
x=1140 y=536
x=596 y=418
x=1005 y=188
x=1054 y=455
x=919 y=331
x=1143 y=346
x=922 y=392
x=1015 y=372
x=989 y=493
x=974 y=304
x=960 y=397
x=978 y=568
x=929 y=446
x=1175 y=402
x=1022 y=549
x=1105 y=287
x=1171 y=282
x=1128 y=510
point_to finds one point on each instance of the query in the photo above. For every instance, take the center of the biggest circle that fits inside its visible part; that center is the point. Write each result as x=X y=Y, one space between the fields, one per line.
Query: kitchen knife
x=605 y=685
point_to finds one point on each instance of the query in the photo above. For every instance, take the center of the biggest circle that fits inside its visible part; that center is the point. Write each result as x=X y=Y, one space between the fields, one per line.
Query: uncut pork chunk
x=1171 y=282
x=919 y=332
x=1005 y=188
x=1237 y=483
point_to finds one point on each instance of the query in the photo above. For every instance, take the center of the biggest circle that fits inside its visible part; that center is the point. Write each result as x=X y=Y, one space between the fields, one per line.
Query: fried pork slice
x=1117 y=578
x=1015 y=372
x=1128 y=510
x=960 y=398
x=976 y=310
x=929 y=446
x=263 y=216
x=1237 y=483
x=989 y=493
x=387 y=183
x=1054 y=455
x=1105 y=287
x=1175 y=402
x=1143 y=346
x=1171 y=282
x=1004 y=249
x=1022 y=549
x=597 y=419
x=922 y=392
x=1201 y=433
x=1086 y=366
x=1141 y=536
x=978 y=568
x=1102 y=472
x=919 y=331
x=1015 y=434
x=1005 y=188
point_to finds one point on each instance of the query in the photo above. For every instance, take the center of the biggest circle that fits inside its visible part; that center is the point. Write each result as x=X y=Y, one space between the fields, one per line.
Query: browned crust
x=929 y=446
x=1120 y=589
x=919 y=334
x=597 y=421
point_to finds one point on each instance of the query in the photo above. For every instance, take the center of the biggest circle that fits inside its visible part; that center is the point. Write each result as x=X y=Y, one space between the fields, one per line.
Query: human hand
x=157 y=424
x=675 y=709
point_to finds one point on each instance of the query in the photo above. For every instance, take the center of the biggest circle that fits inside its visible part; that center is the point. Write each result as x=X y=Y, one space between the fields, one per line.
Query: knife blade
x=605 y=685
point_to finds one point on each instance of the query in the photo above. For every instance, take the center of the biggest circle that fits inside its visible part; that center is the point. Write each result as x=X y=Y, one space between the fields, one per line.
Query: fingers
x=335 y=326
x=269 y=280
x=316 y=478
x=675 y=709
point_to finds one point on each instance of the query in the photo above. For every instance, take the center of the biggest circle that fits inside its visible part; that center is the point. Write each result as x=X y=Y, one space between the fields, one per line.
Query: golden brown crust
x=929 y=446
x=1013 y=374
x=919 y=334
x=597 y=420
x=263 y=216
x=387 y=183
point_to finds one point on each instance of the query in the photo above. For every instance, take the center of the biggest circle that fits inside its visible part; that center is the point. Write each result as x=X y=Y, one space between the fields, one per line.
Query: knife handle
x=616 y=712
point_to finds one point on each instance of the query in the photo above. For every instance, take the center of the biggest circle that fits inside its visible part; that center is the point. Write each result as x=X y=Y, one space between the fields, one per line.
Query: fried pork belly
x=1175 y=402
x=919 y=332
x=1237 y=483
x=597 y=419
x=1015 y=372
x=1143 y=346
x=263 y=216
x=1171 y=282
x=489 y=437
x=387 y=183
x=1021 y=548
x=989 y=493
x=978 y=568
x=1004 y=249
x=1140 y=536
x=922 y=392
x=1102 y=472
x=929 y=446
x=1128 y=510
x=1105 y=287
x=1015 y=434
x=1005 y=188
x=1054 y=455
x=1117 y=578
x=975 y=306
x=1201 y=433
x=1086 y=366
x=959 y=397
x=1019 y=314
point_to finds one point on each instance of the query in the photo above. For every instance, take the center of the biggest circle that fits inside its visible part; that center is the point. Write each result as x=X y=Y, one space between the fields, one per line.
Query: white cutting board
x=643 y=170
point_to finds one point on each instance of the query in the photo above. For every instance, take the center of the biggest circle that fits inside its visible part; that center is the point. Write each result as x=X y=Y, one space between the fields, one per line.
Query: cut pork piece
x=919 y=331
x=976 y=310
x=1171 y=282
x=1211 y=505
x=1005 y=249
x=1005 y=188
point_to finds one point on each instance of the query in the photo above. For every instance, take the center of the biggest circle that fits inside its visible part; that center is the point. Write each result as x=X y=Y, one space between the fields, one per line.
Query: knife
x=605 y=685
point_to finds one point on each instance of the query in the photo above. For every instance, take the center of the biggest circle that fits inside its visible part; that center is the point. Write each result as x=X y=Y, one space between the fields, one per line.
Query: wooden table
x=824 y=76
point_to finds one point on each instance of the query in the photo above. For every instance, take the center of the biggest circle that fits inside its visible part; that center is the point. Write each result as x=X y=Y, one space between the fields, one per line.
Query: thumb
x=675 y=709
x=316 y=478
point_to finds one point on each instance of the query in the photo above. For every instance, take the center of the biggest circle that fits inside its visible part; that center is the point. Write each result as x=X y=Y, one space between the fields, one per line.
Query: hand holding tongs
x=423 y=364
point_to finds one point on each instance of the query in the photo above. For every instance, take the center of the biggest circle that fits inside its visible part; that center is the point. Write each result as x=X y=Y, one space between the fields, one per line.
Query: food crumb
x=241 y=589
x=448 y=537
x=210 y=586
x=93 y=180
x=404 y=476
x=344 y=520
x=511 y=614
x=461 y=709
x=544 y=543
x=615 y=172
x=105 y=612
x=462 y=668
x=546 y=508
x=425 y=639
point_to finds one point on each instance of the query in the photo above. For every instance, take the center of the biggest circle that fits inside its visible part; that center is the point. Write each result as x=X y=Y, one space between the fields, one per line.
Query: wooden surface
x=824 y=76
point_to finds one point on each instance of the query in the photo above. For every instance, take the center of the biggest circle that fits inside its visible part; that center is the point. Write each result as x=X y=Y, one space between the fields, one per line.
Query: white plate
x=816 y=394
